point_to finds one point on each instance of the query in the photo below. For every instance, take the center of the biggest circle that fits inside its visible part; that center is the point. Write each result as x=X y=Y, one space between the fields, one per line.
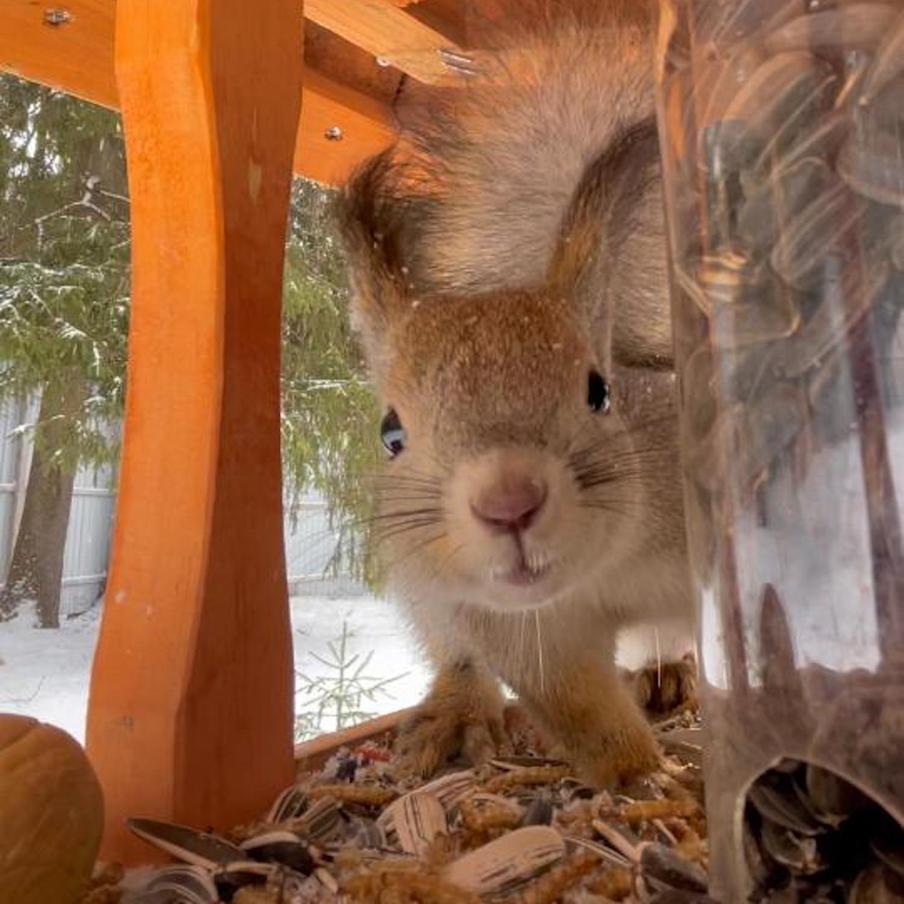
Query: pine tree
x=330 y=419
x=341 y=694
x=64 y=301
x=64 y=259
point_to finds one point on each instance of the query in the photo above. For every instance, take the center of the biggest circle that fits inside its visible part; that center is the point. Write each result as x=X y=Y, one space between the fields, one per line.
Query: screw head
x=57 y=16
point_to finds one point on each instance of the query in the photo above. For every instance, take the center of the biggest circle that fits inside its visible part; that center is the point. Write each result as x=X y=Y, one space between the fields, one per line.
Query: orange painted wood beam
x=386 y=30
x=191 y=707
x=75 y=55
x=363 y=123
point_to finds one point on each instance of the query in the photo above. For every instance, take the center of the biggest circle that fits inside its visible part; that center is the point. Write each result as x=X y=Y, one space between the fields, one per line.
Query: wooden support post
x=190 y=715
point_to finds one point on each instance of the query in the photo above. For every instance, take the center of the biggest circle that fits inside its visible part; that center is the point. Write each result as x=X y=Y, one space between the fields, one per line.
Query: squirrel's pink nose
x=512 y=504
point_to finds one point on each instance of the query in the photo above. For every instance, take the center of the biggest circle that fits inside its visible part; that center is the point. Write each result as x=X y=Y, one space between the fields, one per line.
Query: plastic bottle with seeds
x=782 y=126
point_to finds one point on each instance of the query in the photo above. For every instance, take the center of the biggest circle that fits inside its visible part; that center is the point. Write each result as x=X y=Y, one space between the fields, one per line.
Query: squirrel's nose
x=510 y=505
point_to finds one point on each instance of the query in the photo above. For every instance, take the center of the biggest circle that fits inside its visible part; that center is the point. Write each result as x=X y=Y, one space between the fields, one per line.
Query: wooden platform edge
x=313 y=754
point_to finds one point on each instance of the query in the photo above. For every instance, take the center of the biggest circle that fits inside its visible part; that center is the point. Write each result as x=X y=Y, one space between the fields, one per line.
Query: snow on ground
x=45 y=673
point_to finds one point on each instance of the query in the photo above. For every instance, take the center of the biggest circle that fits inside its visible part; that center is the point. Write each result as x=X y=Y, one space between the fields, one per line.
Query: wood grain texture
x=191 y=707
x=76 y=56
x=386 y=30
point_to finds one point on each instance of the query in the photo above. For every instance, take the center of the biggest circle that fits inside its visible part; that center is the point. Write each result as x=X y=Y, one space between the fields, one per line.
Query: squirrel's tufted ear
x=599 y=220
x=373 y=218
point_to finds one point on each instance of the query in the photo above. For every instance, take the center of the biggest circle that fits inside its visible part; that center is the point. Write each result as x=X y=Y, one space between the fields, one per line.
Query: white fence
x=310 y=541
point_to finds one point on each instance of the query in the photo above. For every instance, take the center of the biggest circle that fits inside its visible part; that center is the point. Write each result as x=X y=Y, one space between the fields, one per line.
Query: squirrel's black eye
x=597 y=392
x=392 y=433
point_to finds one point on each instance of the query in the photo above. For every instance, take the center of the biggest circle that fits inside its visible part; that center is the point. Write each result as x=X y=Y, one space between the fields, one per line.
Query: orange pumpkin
x=51 y=814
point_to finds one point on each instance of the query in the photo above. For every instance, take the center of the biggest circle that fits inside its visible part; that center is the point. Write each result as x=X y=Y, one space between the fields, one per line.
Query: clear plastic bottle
x=782 y=126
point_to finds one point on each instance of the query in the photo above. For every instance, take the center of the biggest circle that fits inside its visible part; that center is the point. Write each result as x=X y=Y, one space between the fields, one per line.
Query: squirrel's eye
x=597 y=392
x=392 y=433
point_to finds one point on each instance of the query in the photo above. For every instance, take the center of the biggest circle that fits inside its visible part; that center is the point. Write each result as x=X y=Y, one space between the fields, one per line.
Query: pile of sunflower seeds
x=521 y=828
x=524 y=830
x=810 y=836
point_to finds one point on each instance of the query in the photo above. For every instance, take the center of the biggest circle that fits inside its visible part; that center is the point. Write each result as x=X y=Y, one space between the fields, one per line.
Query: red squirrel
x=508 y=271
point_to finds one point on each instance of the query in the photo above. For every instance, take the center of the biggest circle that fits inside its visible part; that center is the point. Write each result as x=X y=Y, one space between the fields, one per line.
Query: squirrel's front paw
x=619 y=758
x=450 y=725
x=662 y=689
x=439 y=731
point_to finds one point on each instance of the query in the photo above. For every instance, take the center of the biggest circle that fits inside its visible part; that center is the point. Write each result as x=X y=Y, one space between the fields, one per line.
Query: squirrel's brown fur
x=508 y=245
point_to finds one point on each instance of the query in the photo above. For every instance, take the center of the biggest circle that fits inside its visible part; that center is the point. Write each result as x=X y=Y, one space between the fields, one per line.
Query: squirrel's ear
x=371 y=220
x=600 y=215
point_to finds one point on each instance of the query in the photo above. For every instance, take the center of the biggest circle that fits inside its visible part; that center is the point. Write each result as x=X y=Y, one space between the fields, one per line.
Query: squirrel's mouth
x=527 y=571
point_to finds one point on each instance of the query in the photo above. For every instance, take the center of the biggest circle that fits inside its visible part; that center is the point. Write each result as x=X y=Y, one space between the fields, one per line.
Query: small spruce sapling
x=339 y=697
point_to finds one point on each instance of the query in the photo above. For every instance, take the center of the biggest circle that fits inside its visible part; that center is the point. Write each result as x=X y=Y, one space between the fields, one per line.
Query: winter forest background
x=64 y=315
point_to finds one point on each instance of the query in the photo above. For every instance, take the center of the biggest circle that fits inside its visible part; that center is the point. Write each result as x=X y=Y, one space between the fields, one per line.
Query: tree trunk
x=36 y=570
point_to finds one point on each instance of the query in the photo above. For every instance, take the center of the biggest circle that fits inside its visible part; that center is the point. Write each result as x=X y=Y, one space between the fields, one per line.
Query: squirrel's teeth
x=531 y=567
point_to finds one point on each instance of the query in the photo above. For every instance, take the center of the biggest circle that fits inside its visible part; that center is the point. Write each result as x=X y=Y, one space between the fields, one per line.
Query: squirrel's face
x=514 y=478
x=511 y=478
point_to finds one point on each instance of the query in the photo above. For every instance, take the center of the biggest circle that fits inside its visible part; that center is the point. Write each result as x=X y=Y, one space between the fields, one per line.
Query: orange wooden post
x=190 y=716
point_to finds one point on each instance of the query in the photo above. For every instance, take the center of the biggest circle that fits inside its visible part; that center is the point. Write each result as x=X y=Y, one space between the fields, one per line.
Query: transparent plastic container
x=782 y=126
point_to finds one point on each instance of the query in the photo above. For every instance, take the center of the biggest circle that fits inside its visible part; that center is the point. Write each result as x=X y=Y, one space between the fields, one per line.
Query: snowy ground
x=44 y=673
